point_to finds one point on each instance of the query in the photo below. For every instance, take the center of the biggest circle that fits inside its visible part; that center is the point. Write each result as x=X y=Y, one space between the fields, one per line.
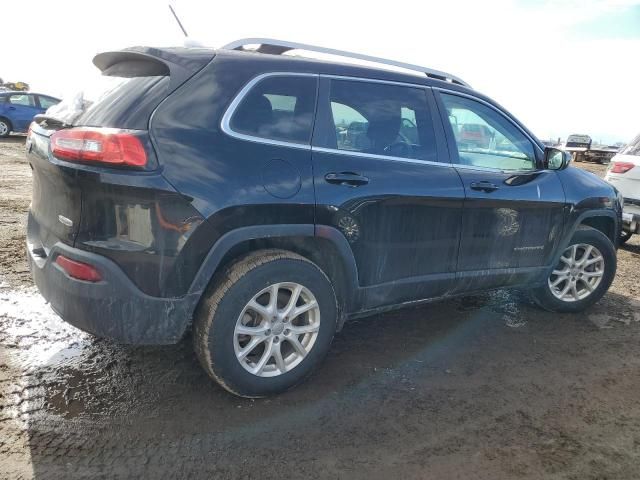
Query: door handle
x=349 y=179
x=484 y=186
x=12 y=108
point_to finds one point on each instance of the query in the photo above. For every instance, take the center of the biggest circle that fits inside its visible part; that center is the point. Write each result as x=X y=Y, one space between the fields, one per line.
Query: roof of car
x=295 y=63
x=21 y=92
x=265 y=62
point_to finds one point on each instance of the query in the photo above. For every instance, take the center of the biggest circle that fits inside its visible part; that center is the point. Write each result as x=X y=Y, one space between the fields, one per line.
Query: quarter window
x=278 y=108
x=485 y=138
x=382 y=119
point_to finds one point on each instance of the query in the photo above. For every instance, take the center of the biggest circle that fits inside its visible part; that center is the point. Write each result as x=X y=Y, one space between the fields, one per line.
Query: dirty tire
x=625 y=237
x=225 y=299
x=589 y=236
x=5 y=128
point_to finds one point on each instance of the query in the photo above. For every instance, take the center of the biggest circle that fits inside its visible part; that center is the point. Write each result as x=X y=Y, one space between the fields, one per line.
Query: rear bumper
x=113 y=307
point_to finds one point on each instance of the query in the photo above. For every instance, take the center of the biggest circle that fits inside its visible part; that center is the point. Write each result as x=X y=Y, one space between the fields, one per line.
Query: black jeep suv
x=267 y=197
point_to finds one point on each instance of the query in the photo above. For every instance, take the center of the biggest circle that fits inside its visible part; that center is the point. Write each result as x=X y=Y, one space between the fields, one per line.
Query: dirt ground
x=483 y=387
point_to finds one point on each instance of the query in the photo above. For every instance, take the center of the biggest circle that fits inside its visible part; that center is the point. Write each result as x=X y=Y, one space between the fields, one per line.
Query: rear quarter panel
x=231 y=182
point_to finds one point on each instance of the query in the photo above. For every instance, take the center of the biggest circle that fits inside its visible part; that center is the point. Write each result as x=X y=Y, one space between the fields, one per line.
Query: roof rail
x=278 y=47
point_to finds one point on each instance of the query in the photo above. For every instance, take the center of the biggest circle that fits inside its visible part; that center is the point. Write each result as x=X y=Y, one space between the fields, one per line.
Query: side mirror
x=556 y=159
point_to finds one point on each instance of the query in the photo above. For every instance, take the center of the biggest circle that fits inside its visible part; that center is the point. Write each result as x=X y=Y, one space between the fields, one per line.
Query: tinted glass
x=278 y=108
x=382 y=119
x=27 y=100
x=485 y=138
x=127 y=104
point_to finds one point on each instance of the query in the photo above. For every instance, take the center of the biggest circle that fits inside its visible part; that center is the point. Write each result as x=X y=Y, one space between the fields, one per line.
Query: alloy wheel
x=276 y=329
x=578 y=273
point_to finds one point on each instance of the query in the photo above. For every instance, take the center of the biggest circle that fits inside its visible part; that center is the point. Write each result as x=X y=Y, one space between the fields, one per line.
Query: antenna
x=178 y=20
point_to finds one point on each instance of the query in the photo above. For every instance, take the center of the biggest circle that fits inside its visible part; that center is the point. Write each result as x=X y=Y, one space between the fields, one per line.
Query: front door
x=21 y=108
x=514 y=209
x=382 y=178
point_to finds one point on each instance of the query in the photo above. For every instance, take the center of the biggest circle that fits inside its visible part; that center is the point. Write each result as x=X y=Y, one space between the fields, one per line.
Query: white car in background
x=624 y=174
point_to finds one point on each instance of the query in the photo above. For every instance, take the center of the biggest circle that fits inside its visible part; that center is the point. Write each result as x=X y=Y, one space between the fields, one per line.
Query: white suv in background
x=624 y=174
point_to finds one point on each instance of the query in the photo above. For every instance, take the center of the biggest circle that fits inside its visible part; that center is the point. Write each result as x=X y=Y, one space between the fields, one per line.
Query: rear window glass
x=278 y=108
x=125 y=103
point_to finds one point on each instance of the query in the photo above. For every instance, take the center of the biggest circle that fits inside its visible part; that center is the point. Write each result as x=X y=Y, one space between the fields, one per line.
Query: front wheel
x=265 y=323
x=583 y=274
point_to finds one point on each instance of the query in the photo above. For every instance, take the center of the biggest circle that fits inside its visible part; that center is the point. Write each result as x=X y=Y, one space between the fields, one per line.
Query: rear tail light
x=79 y=270
x=99 y=145
x=621 y=167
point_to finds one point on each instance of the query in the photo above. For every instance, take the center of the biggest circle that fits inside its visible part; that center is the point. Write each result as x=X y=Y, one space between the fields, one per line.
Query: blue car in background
x=17 y=109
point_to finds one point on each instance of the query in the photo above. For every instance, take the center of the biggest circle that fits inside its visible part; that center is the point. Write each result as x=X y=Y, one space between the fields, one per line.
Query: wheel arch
x=605 y=221
x=324 y=246
x=9 y=122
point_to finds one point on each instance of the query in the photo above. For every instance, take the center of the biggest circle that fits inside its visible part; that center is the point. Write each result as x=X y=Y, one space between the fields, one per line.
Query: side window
x=278 y=108
x=382 y=119
x=26 y=100
x=485 y=138
x=46 y=102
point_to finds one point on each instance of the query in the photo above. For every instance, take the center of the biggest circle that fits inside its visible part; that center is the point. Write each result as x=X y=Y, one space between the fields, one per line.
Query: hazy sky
x=561 y=67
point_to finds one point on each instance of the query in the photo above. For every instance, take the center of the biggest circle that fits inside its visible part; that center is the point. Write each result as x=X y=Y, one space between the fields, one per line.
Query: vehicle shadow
x=15 y=138
x=108 y=409
x=633 y=248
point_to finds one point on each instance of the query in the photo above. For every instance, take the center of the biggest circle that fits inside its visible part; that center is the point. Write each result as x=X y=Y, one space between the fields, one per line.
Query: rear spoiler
x=177 y=63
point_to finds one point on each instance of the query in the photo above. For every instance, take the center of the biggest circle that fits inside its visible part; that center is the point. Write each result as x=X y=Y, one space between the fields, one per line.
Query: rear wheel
x=266 y=323
x=583 y=274
x=5 y=128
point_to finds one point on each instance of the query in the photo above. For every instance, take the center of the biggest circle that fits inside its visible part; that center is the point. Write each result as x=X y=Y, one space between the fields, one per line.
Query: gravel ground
x=483 y=387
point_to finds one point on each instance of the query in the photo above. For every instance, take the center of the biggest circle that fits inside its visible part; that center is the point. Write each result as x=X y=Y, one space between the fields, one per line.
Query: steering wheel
x=401 y=148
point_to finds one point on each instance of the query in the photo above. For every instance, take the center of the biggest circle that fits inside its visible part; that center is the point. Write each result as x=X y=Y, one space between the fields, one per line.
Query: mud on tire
x=229 y=295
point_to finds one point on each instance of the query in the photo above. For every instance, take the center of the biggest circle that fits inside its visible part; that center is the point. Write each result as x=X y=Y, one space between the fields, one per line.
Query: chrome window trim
x=374 y=80
x=493 y=107
x=498 y=170
x=225 y=123
x=374 y=156
x=226 y=120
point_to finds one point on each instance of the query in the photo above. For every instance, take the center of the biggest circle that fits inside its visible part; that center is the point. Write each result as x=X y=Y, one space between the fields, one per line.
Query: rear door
x=514 y=210
x=45 y=102
x=382 y=179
